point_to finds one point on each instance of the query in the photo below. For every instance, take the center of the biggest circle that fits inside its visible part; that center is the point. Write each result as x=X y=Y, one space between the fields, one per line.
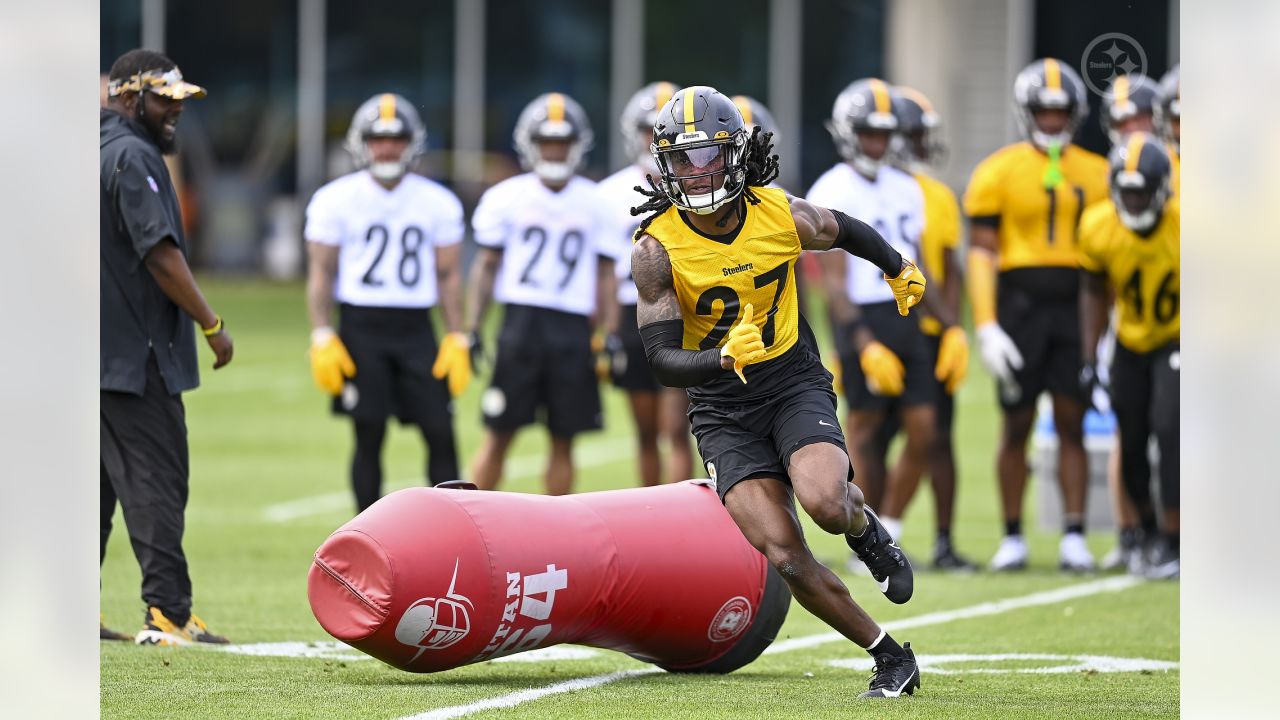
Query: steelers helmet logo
x=493 y=402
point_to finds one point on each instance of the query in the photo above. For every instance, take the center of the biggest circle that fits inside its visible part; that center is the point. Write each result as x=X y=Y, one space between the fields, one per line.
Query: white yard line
x=996 y=607
x=589 y=455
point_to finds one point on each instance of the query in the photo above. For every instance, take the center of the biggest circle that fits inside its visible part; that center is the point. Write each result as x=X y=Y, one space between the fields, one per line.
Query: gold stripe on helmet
x=1133 y=152
x=387 y=107
x=1052 y=74
x=880 y=92
x=1121 y=91
x=744 y=107
x=917 y=96
x=665 y=91
x=555 y=107
x=688 y=111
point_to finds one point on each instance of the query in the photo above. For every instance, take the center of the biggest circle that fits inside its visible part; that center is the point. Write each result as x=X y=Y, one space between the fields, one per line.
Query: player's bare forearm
x=984 y=236
x=821 y=228
x=449 y=280
x=322 y=268
x=952 y=289
x=167 y=265
x=1093 y=313
x=844 y=313
x=480 y=291
x=606 y=296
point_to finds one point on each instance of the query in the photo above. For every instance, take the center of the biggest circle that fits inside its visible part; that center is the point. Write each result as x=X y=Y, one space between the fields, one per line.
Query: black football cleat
x=886 y=561
x=946 y=558
x=894 y=676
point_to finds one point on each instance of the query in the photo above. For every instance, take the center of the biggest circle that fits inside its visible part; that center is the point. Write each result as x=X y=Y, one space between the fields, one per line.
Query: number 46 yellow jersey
x=716 y=277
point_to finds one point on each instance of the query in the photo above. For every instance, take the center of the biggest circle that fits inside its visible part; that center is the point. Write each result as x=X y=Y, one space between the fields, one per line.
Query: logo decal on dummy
x=733 y=617
x=436 y=623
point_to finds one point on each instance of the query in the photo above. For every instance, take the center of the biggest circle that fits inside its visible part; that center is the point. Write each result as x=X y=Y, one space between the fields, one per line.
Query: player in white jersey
x=384 y=243
x=547 y=254
x=658 y=411
x=885 y=359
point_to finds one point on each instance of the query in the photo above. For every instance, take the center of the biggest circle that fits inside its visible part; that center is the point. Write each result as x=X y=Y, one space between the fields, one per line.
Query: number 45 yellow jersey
x=716 y=276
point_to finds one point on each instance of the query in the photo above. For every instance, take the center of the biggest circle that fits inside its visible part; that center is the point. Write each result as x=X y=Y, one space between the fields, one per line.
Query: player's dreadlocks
x=761 y=167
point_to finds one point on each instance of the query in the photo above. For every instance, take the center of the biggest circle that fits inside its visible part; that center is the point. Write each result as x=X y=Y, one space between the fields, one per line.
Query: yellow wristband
x=215 y=330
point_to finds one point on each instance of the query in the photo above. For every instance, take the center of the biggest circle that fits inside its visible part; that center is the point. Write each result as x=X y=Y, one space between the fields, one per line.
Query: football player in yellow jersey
x=716 y=245
x=1024 y=202
x=920 y=148
x=1131 y=243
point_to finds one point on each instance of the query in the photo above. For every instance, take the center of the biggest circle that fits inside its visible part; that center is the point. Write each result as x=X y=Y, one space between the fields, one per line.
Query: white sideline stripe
x=997 y=607
x=523 y=466
x=524 y=696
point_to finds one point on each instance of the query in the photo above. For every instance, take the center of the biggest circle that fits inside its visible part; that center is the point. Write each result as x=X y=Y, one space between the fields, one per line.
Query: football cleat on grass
x=1074 y=555
x=160 y=630
x=945 y=557
x=1122 y=554
x=106 y=633
x=894 y=676
x=1011 y=555
x=886 y=561
x=1163 y=562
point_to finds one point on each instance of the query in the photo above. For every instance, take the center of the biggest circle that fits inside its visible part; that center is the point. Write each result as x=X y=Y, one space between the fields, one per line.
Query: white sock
x=894 y=526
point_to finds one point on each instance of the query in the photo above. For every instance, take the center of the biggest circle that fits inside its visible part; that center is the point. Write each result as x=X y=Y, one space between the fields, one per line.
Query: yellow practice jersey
x=714 y=279
x=1175 y=169
x=1037 y=224
x=1143 y=270
x=941 y=233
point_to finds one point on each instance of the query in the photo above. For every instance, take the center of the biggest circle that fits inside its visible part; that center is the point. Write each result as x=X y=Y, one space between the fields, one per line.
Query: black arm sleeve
x=861 y=240
x=673 y=365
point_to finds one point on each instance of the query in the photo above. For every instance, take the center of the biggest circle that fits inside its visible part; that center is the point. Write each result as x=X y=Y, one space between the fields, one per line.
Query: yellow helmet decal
x=688 y=111
x=1052 y=74
x=665 y=91
x=1134 y=151
x=744 y=107
x=387 y=107
x=555 y=107
x=880 y=92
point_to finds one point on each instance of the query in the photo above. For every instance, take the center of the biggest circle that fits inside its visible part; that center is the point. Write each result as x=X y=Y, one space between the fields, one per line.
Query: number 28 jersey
x=550 y=241
x=386 y=238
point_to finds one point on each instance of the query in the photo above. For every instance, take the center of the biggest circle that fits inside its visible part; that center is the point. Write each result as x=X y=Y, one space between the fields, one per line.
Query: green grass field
x=269 y=483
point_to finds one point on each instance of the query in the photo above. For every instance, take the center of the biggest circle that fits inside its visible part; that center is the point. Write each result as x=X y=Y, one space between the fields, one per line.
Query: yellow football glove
x=744 y=345
x=953 y=359
x=453 y=359
x=331 y=364
x=883 y=369
x=908 y=286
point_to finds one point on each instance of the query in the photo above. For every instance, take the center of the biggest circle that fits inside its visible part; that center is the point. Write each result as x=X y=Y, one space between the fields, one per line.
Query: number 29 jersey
x=550 y=241
x=386 y=238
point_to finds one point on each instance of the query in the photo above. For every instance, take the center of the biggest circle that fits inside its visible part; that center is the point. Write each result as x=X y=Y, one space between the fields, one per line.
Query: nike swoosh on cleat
x=884 y=585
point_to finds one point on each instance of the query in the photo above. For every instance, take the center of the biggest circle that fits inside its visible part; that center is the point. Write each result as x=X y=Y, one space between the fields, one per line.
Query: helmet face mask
x=865 y=106
x=1140 y=170
x=1049 y=84
x=386 y=115
x=553 y=118
x=699 y=145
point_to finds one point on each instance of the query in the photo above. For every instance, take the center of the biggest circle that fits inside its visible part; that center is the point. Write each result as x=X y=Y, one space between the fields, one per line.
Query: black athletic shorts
x=393 y=349
x=756 y=438
x=544 y=370
x=630 y=370
x=1039 y=309
x=944 y=405
x=903 y=336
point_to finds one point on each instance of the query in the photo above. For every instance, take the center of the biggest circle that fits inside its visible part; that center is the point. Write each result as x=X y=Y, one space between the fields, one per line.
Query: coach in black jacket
x=147 y=351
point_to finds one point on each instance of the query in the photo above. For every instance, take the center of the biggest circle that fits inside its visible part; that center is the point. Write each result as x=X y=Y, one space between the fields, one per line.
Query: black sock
x=1173 y=540
x=886 y=645
x=1128 y=537
x=1076 y=527
x=1013 y=527
x=944 y=535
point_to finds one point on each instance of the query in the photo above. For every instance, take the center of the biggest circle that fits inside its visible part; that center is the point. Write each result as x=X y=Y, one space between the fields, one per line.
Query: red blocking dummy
x=428 y=579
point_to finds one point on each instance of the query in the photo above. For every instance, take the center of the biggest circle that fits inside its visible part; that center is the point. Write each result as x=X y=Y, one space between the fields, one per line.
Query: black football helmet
x=1049 y=84
x=1140 y=171
x=864 y=105
x=1129 y=96
x=639 y=116
x=1168 y=109
x=700 y=137
x=386 y=115
x=921 y=129
x=553 y=116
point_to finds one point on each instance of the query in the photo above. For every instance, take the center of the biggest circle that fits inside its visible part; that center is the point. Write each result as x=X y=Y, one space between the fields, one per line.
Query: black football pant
x=1145 y=394
x=144 y=466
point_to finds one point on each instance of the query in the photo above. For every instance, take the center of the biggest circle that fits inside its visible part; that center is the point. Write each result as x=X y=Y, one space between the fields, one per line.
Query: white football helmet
x=638 y=118
x=864 y=105
x=386 y=115
x=552 y=116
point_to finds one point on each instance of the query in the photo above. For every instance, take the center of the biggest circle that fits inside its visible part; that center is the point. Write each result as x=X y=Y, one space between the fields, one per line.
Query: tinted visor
x=695 y=162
